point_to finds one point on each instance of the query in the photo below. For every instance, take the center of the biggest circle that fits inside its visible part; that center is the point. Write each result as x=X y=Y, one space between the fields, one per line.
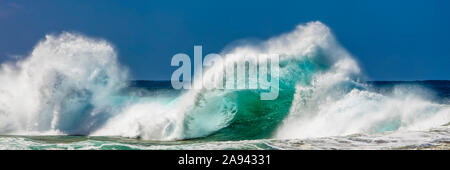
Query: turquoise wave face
x=255 y=118
x=241 y=114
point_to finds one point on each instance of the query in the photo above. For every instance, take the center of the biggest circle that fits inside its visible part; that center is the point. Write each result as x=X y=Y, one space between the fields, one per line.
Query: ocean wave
x=71 y=84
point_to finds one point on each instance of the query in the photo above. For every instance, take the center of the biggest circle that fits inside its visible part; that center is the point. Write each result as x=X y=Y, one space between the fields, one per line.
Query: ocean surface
x=71 y=92
x=434 y=138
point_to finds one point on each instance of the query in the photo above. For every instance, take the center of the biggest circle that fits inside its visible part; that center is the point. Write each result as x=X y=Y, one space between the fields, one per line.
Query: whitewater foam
x=64 y=85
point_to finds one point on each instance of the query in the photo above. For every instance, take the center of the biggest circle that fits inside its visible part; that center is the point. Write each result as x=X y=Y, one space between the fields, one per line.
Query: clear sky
x=393 y=40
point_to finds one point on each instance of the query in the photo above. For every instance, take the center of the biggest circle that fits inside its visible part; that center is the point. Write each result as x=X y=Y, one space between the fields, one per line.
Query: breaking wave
x=71 y=84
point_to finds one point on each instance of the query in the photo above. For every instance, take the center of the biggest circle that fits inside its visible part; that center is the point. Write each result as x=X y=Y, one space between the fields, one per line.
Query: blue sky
x=393 y=40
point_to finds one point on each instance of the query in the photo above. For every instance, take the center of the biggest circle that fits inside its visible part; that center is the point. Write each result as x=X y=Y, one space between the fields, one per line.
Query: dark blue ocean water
x=439 y=89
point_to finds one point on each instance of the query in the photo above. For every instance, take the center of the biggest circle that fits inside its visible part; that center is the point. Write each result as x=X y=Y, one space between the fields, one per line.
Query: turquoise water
x=433 y=139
